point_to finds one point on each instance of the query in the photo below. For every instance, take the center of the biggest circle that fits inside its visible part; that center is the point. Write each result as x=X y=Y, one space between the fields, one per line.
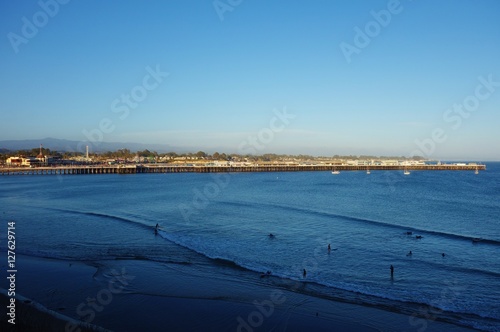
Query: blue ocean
x=449 y=220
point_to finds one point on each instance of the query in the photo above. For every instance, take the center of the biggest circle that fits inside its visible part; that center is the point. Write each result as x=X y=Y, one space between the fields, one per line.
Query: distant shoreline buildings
x=202 y=159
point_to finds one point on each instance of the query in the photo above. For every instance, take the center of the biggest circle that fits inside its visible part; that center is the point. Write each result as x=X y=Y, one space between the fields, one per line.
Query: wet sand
x=136 y=295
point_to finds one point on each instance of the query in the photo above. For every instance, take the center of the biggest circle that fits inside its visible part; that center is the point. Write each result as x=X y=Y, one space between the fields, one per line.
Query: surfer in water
x=271 y=236
x=392 y=271
x=329 y=248
x=304 y=273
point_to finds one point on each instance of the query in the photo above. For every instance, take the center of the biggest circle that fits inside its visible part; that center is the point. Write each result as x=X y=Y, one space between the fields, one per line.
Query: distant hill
x=62 y=145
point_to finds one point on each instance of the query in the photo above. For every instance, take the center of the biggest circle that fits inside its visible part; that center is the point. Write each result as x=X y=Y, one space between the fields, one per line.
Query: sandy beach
x=122 y=295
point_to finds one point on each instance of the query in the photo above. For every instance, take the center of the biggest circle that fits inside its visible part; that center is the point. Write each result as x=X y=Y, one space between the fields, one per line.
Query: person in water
x=329 y=247
x=271 y=235
x=392 y=271
x=304 y=273
x=409 y=254
x=157 y=226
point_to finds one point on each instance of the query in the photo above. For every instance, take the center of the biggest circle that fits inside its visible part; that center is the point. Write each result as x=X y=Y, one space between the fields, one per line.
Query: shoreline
x=36 y=317
x=145 y=295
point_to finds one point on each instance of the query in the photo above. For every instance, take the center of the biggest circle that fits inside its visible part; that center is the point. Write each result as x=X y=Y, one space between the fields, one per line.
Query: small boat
x=406 y=172
x=367 y=170
x=335 y=171
x=477 y=171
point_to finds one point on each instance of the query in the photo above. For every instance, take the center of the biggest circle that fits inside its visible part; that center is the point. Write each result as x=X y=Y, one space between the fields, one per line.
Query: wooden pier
x=171 y=168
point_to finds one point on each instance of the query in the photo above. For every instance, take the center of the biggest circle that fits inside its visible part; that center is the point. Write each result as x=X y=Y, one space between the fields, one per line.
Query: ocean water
x=225 y=219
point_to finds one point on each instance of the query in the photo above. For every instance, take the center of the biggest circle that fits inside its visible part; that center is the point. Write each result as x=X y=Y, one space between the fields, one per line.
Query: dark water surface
x=226 y=219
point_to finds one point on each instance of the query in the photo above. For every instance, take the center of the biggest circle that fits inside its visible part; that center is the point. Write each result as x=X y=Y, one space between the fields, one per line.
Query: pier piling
x=170 y=168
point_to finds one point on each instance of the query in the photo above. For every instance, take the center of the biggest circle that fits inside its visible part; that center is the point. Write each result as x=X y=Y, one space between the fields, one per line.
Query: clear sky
x=346 y=77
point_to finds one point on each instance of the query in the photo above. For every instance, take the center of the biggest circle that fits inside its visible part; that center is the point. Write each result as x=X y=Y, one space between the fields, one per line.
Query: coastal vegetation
x=146 y=155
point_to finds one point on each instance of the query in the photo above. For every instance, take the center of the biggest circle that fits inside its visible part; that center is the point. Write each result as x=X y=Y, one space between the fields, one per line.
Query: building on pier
x=14 y=161
x=22 y=161
x=42 y=160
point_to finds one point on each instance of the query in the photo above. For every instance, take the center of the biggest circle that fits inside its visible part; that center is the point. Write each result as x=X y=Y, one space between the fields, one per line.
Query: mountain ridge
x=64 y=145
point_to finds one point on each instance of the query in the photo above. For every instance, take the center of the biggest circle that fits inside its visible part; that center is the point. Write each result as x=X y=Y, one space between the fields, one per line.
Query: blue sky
x=231 y=69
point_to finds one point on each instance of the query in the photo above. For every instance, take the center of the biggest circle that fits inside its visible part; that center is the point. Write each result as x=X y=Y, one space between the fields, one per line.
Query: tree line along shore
x=45 y=157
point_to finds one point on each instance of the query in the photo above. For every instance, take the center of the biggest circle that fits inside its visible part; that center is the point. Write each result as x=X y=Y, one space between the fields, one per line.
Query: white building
x=14 y=161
